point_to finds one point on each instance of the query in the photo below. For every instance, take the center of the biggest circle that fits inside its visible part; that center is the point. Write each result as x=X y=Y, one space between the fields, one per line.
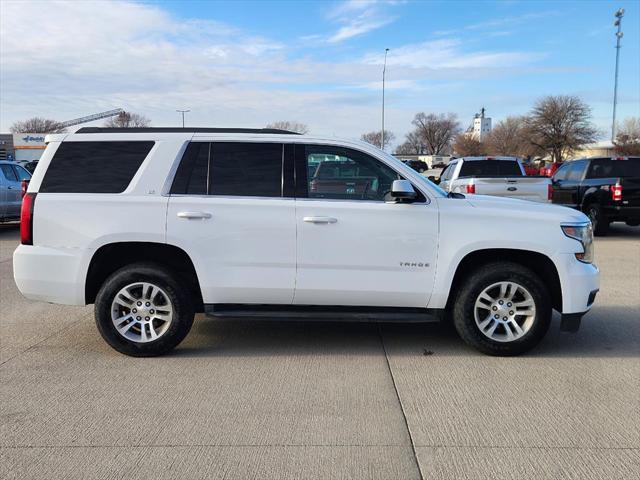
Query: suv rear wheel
x=502 y=309
x=141 y=310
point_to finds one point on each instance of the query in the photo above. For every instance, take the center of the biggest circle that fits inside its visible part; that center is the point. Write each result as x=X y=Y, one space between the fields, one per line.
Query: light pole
x=183 y=112
x=618 y=23
x=384 y=70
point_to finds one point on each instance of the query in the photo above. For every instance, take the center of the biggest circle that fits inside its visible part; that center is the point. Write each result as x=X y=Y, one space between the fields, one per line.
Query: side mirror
x=403 y=190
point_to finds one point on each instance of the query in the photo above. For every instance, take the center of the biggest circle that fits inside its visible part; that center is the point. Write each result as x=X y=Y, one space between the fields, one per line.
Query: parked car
x=31 y=166
x=11 y=177
x=498 y=176
x=152 y=225
x=606 y=189
x=418 y=165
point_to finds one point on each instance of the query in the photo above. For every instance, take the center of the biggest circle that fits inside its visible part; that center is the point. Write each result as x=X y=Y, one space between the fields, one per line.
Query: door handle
x=194 y=215
x=512 y=189
x=320 y=220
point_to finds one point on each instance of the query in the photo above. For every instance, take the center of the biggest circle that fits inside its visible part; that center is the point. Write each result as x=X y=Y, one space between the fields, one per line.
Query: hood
x=533 y=210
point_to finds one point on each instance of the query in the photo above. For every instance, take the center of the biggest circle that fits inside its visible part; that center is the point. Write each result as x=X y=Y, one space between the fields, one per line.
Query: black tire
x=181 y=301
x=598 y=219
x=485 y=276
x=633 y=222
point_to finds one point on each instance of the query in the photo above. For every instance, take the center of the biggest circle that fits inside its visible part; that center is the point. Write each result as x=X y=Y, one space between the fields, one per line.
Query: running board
x=322 y=312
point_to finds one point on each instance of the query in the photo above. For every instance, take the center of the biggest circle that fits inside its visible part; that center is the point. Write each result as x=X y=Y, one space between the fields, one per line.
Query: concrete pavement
x=250 y=399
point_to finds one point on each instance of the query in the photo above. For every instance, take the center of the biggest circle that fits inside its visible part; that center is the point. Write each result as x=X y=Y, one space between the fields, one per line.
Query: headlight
x=583 y=234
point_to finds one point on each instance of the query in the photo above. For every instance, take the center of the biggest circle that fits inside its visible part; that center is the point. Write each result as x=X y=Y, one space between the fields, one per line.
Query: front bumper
x=579 y=281
x=570 y=322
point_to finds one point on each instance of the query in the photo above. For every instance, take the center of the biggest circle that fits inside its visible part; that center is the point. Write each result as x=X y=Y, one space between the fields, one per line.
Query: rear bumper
x=55 y=275
x=622 y=212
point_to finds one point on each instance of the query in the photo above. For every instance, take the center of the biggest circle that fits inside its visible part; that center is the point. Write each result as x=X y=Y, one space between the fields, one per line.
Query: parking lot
x=247 y=399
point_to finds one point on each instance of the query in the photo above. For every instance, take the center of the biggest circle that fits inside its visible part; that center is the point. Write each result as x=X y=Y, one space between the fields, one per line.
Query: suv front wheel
x=142 y=311
x=502 y=309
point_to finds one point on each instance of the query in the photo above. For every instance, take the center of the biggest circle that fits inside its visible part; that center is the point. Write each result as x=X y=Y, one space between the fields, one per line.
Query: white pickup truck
x=153 y=225
x=497 y=176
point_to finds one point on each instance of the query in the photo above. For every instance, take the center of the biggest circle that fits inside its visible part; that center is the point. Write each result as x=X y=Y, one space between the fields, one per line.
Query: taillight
x=616 y=192
x=26 y=219
x=471 y=188
x=24 y=184
x=549 y=192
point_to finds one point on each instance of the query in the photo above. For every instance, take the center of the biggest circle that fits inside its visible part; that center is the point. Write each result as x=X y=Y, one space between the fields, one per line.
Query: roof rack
x=183 y=130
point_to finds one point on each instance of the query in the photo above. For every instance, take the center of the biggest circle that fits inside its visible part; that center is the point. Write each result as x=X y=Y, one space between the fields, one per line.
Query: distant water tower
x=481 y=126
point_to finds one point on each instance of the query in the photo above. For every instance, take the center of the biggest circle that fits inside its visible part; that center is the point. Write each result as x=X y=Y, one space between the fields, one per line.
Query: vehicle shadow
x=606 y=332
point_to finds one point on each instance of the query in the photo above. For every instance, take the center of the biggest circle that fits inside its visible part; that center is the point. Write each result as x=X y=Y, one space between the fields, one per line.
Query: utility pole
x=384 y=70
x=618 y=23
x=183 y=112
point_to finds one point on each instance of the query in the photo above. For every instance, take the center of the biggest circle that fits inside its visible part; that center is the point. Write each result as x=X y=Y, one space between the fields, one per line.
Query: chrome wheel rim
x=593 y=216
x=141 y=312
x=504 y=311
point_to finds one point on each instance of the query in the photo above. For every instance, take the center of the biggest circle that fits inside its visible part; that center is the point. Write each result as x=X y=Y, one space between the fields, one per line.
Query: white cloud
x=67 y=59
x=357 y=17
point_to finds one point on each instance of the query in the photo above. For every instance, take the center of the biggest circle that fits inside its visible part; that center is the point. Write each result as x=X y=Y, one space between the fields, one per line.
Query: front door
x=354 y=248
x=227 y=210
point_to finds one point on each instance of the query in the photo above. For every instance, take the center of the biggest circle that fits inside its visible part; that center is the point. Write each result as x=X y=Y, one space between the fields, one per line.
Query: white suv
x=152 y=225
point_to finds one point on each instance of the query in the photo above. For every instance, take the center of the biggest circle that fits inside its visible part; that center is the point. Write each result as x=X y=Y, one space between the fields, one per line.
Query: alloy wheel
x=141 y=312
x=504 y=311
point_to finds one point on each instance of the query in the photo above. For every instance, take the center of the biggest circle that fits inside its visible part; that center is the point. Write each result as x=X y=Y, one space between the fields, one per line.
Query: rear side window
x=490 y=168
x=230 y=169
x=94 y=167
x=576 y=170
x=606 y=168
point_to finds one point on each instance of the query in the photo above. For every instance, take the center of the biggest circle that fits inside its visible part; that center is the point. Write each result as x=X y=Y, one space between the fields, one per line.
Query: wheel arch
x=113 y=256
x=538 y=262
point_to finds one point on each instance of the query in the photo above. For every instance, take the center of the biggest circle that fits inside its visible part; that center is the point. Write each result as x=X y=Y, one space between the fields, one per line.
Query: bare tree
x=127 y=120
x=560 y=125
x=375 y=138
x=628 y=137
x=412 y=145
x=466 y=145
x=511 y=137
x=436 y=132
x=290 y=125
x=37 y=125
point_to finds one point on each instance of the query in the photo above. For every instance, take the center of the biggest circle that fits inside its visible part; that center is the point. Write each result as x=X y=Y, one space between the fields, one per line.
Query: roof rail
x=183 y=130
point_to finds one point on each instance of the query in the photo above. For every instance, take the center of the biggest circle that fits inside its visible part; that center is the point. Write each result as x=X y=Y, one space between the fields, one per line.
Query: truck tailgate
x=524 y=188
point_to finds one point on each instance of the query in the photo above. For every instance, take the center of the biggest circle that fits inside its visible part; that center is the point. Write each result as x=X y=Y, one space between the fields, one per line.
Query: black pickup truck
x=606 y=189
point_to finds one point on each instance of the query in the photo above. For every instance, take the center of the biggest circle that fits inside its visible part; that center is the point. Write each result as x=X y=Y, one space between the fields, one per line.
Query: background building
x=481 y=126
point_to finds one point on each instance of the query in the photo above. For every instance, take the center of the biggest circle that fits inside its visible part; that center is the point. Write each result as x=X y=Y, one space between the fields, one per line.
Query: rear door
x=12 y=189
x=353 y=248
x=230 y=211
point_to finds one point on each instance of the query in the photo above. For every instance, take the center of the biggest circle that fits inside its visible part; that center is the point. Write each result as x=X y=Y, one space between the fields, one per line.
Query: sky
x=248 y=63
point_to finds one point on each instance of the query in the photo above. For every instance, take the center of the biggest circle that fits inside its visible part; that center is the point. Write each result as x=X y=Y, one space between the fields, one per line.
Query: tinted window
x=8 y=172
x=94 y=167
x=490 y=168
x=345 y=174
x=575 y=171
x=246 y=169
x=231 y=169
x=22 y=173
x=562 y=172
x=193 y=172
x=606 y=168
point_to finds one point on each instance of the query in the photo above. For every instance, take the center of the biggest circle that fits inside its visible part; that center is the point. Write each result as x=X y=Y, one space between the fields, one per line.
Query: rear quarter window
x=94 y=167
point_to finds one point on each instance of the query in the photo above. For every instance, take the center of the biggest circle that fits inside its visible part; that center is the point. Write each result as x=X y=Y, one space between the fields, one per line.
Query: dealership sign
x=28 y=140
